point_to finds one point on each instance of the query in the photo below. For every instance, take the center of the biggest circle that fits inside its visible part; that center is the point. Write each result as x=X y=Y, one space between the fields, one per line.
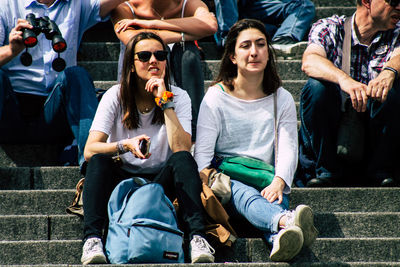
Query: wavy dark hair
x=228 y=70
x=129 y=84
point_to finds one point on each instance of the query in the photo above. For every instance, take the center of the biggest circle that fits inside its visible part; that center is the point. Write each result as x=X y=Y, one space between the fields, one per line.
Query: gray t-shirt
x=228 y=126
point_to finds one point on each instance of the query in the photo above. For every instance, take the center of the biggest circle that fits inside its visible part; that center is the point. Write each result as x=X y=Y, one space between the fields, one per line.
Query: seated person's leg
x=188 y=73
x=181 y=179
x=73 y=102
x=226 y=12
x=320 y=115
x=384 y=142
x=297 y=18
x=11 y=124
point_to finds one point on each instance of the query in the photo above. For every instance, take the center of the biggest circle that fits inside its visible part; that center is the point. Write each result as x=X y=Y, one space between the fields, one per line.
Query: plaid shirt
x=366 y=61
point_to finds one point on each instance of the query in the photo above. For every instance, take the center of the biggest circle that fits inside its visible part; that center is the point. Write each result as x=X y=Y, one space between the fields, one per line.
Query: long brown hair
x=130 y=118
x=228 y=71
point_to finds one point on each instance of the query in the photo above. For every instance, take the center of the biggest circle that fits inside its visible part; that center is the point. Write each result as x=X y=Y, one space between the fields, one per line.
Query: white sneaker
x=287 y=244
x=92 y=251
x=289 y=51
x=303 y=217
x=200 y=250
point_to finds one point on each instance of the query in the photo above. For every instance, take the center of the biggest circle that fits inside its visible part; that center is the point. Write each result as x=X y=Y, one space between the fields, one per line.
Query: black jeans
x=188 y=74
x=179 y=178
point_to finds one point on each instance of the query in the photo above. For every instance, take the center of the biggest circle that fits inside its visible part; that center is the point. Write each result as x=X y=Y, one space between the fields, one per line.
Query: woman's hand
x=274 y=190
x=124 y=24
x=132 y=145
x=156 y=86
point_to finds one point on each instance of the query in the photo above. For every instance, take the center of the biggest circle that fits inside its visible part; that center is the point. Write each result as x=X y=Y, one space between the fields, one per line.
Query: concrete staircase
x=357 y=226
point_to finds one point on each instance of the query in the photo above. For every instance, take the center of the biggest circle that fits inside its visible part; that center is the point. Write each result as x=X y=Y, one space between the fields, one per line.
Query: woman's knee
x=99 y=161
x=182 y=159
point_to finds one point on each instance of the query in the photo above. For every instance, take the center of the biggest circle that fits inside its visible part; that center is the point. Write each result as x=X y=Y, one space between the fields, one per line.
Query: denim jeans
x=320 y=114
x=282 y=18
x=246 y=201
x=179 y=178
x=67 y=113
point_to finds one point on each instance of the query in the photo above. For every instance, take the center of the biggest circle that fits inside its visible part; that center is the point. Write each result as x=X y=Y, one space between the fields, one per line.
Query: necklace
x=146 y=110
x=158 y=14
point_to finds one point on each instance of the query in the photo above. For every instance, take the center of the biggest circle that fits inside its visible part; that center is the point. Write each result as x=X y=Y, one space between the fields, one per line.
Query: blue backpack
x=142 y=227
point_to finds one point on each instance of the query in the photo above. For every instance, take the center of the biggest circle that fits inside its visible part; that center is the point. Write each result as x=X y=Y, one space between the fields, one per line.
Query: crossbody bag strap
x=346 y=55
x=275 y=128
x=346 y=46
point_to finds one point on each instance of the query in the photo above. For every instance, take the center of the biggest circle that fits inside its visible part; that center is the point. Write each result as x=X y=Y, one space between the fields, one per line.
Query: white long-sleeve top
x=228 y=126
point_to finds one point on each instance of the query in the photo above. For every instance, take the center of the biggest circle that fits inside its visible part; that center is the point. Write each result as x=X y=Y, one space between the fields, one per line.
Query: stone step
x=26 y=178
x=327 y=11
x=107 y=70
x=293 y=86
x=329 y=225
x=334 y=3
x=54 y=202
x=247 y=264
x=333 y=250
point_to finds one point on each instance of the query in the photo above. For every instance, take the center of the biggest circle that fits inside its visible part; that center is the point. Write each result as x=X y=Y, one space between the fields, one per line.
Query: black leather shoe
x=388 y=182
x=320 y=182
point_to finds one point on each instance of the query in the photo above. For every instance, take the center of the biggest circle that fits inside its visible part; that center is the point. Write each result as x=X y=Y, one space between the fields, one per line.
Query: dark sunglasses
x=145 y=56
x=393 y=3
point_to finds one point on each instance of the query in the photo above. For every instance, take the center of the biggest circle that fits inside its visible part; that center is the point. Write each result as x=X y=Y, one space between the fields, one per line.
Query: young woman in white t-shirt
x=144 y=107
x=237 y=119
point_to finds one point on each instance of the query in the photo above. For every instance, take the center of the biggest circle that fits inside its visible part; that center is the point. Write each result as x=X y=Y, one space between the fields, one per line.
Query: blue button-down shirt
x=73 y=17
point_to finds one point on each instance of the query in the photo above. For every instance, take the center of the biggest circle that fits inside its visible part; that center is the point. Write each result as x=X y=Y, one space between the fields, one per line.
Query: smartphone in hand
x=144 y=146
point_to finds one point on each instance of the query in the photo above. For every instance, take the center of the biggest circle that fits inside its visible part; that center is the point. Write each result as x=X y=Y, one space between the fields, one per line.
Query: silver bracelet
x=120 y=148
x=183 y=40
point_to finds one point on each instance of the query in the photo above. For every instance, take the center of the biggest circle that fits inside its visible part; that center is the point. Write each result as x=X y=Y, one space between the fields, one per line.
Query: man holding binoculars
x=44 y=96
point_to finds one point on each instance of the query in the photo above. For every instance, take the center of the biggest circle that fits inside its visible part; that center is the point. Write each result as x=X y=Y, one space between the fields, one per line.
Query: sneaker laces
x=202 y=244
x=93 y=244
x=290 y=215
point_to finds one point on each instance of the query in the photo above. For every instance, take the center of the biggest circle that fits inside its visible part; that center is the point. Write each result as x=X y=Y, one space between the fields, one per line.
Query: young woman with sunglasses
x=144 y=107
x=237 y=118
x=178 y=23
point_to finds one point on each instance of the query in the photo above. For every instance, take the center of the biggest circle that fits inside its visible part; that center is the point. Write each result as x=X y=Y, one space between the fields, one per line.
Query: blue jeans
x=282 y=18
x=246 y=201
x=67 y=113
x=320 y=114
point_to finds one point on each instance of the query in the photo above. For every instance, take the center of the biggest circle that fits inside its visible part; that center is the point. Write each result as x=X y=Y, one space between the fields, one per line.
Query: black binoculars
x=51 y=31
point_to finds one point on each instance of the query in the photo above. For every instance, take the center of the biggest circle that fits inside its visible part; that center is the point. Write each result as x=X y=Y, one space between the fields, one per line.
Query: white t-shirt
x=108 y=119
x=228 y=126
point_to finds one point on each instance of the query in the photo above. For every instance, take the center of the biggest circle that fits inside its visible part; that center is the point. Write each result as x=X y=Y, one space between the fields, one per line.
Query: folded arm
x=197 y=23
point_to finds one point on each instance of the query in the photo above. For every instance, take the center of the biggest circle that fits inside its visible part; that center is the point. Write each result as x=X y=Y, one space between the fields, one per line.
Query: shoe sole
x=95 y=259
x=305 y=220
x=204 y=259
x=288 y=245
